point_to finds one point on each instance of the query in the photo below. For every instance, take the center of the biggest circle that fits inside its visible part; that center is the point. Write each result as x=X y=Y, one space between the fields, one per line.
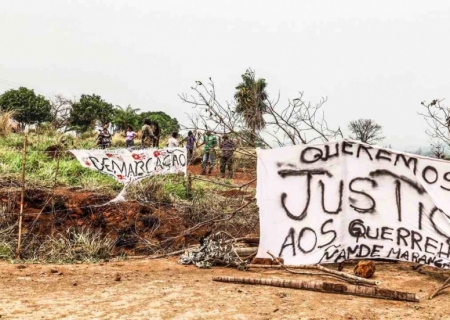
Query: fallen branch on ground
x=441 y=288
x=213 y=251
x=246 y=251
x=328 y=287
x=326 y=272
x=174 y=253
x=338 y=274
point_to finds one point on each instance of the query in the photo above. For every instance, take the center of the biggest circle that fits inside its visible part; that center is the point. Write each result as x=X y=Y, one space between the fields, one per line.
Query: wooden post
x=189 y=186
x=159 y=201
x=328 y=287
x=53 y=190
x=22 y=196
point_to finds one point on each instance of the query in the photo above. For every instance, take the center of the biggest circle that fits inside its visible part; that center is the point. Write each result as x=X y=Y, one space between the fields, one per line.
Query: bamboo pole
x=22 y=195
x=318 y=267
x=327 y=287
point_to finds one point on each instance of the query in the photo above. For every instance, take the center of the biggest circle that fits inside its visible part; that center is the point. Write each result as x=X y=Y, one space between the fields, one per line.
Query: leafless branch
x=299 y=122
x=60 y=110
x=437 y=117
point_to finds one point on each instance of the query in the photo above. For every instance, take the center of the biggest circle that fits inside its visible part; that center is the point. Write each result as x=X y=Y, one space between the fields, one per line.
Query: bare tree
x=366 y=130
x=299 y=122
x=438 y=150
x=437 y=117
x=60 y=111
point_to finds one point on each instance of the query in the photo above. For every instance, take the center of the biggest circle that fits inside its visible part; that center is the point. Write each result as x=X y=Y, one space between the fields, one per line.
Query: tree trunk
x=328 y=287
x=252 y=137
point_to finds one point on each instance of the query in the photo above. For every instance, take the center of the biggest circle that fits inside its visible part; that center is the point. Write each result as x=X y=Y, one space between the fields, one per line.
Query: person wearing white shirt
x=173 y=142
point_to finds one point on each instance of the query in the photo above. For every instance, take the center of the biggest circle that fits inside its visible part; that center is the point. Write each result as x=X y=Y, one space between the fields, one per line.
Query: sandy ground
x=162 y=289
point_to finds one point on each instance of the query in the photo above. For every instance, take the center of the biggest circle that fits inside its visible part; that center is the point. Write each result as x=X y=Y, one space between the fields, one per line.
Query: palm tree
x=125 y=117
x=251 y=104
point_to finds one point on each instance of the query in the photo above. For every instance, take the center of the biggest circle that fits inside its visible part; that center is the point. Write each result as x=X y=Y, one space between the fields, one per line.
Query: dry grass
x=8 y=230
x=150 y=190
x=7 y=241
x=5 y=122
x=82 y=244
x=75 y=244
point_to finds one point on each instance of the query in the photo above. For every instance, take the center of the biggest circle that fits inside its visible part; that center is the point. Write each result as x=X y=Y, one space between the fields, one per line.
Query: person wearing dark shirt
x=156 y=134
x=104 y=139
x=226 y=160
x=147 y=134
x=190 y=141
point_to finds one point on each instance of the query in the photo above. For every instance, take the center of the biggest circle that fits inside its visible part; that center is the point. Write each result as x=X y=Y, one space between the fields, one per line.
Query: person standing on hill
x=129 y=137
x=190 y=141
x=147 y=134
x=210 y=143
x=173 y=142
x=104 y=139
x=226 y=159
x=156 y=134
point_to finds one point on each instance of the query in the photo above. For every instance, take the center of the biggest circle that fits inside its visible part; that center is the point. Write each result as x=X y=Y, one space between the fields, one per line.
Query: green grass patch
x=40 y=168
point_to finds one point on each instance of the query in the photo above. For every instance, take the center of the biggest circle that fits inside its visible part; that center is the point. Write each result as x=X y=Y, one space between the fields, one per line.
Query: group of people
x=210 y=143
x=150 y=135
x=150 y=139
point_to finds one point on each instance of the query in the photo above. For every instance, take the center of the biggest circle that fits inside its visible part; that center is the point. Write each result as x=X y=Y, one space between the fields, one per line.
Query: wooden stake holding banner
x=22 y=195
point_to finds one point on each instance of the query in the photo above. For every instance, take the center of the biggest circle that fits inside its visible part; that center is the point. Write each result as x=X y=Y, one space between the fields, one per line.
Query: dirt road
x=162 y=289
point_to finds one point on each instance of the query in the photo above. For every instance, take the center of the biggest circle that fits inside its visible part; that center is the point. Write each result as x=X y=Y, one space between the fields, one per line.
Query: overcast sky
x=372 y=59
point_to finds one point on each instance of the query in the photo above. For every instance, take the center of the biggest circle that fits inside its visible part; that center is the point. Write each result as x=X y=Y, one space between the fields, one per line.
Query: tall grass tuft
x=7 y=242
x=5 y=122
x=83 y=244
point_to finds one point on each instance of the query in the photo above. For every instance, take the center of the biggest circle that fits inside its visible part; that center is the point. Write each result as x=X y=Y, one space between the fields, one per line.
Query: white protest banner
x=128 y=166
x=346 y=200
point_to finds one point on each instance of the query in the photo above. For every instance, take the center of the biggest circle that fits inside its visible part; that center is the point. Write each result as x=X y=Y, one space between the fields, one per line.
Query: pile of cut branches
x=216 y=249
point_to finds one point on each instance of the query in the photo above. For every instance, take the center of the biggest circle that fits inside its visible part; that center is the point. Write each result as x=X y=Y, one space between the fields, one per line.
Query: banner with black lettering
x=128 y=166
x=347 y=200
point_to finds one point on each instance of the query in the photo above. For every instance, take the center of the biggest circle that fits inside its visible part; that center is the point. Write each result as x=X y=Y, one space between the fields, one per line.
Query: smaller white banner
x=129 y=166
